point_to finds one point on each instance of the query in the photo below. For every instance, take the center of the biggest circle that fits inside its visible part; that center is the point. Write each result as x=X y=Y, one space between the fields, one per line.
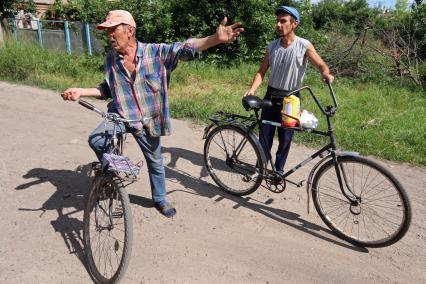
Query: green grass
x=387 y=121
x=384 y=120
x=27 y=64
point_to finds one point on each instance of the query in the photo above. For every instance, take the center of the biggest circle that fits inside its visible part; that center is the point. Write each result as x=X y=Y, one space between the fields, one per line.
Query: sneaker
x=165 y=208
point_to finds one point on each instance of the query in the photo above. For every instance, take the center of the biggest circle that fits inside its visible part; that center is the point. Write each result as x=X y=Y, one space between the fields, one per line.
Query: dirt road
x=214 y=238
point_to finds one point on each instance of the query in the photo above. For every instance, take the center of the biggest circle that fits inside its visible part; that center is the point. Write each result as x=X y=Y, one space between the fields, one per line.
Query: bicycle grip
x=86 y=104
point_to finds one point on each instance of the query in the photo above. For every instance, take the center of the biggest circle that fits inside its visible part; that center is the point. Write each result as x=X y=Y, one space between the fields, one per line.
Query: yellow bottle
x=291 y=108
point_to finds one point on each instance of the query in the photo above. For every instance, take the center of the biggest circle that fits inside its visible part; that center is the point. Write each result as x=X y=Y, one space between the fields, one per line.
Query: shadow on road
x=68 y=199
x=141 y=201
x=179 y=153
x=209 y=190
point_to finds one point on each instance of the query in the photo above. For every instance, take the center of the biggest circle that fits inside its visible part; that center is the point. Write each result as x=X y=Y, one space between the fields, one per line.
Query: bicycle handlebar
x=329 y=110
x=113 y=116
x=91 y=107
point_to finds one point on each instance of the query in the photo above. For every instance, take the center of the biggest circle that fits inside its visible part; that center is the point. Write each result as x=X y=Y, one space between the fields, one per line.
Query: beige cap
x=117 y=17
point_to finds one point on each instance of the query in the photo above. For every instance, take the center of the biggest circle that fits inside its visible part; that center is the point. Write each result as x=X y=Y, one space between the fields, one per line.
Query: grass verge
x=384 y=120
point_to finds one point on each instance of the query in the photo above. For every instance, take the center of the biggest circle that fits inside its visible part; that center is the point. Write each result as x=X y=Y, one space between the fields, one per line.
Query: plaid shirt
x=146 y=93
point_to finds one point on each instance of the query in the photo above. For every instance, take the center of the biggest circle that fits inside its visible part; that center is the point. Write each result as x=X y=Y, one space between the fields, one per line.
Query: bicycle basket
x=116 y=163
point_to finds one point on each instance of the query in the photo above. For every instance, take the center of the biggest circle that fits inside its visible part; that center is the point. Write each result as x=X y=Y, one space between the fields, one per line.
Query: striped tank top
x=288 y=65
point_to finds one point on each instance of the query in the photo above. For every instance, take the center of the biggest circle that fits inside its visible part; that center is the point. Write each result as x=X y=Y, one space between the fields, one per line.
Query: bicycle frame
x=117 y=140
x=358 y=199
x=329 y=151
x=114 y=156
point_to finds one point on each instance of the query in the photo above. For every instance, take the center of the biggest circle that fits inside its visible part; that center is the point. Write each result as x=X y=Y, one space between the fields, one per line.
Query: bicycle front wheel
x=233 y=160
x=377 y=212
x=107 y=230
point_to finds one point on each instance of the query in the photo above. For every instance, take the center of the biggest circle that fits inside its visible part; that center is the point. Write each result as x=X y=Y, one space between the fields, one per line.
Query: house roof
x=50 y=2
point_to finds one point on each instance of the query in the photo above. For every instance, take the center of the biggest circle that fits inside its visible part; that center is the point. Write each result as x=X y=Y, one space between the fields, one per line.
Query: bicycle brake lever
x=145 y=120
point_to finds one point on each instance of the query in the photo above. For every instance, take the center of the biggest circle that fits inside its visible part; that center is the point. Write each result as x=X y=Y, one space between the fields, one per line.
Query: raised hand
x=226 y=34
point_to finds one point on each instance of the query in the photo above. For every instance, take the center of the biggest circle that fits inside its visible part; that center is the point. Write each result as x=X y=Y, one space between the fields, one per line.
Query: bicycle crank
x=275 y=184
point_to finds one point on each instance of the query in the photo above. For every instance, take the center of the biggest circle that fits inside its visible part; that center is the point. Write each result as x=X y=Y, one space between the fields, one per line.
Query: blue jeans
x=285 y=136
x=99 y=141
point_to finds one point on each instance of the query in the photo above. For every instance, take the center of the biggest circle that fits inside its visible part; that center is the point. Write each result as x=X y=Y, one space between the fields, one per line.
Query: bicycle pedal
x=96 y=165
x=297 y=184
x=248 y=178
x=117 y=214
x=96 y=168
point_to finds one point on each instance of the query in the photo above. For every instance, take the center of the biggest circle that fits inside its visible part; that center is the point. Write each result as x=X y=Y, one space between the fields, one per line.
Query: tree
x=174 y=20
x=401 y=5
x=349 y=16
x=8 y=8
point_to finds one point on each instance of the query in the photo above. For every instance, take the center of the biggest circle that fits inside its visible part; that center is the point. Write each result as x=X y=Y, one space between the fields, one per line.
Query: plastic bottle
x=292 y=108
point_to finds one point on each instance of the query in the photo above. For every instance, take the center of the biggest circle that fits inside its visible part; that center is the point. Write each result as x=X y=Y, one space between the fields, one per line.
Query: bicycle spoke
x=381 y=215
x=106 y=232
x=332 y=196
x=375 y=215
x=232 y=160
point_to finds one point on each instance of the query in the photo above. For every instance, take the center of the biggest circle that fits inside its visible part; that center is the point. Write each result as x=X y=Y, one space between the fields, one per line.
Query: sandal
x=165 y=208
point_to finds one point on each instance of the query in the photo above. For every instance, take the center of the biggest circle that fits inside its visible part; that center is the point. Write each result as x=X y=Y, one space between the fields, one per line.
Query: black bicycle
x=107 y=217
x=358 y=199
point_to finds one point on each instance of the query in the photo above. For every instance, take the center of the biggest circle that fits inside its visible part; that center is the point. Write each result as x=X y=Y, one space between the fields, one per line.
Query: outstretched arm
x=224 y=34
x=319 y=63
x=73 y=94
x=258 y=77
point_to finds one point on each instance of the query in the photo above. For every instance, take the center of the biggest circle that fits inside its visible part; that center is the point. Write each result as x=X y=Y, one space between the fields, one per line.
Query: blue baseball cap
x=289 y=10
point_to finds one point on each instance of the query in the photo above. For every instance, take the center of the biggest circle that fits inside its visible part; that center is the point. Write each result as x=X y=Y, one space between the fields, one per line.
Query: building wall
x=43 y=5
x=41 y=9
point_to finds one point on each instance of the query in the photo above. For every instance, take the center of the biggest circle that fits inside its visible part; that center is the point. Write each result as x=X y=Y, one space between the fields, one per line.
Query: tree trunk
x=1 y=35
x=7 y=30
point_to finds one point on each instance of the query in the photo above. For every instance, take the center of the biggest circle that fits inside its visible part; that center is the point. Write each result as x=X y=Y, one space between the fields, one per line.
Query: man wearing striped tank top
x=287 y=57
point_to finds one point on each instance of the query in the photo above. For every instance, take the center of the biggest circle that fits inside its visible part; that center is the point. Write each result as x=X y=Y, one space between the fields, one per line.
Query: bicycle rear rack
x=222 y=117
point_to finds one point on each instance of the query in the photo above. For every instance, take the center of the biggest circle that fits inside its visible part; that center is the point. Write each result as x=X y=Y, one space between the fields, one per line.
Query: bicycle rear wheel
x=107 y=230
x=233 y=160
x=379 y=212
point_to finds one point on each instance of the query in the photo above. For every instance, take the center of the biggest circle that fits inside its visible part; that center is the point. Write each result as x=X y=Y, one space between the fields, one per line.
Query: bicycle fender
x=255 y=140
x=346 y=153
x=318 y=165
x=257 y=143
x=207 y=130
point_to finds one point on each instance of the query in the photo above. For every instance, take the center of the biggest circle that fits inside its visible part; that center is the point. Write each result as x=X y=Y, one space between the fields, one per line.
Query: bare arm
x=258 y=77
x=224 y=34
x=319 y=63
x=73 y=94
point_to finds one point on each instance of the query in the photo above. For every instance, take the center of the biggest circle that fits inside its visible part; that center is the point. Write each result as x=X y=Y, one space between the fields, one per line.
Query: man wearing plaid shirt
x=137 y=77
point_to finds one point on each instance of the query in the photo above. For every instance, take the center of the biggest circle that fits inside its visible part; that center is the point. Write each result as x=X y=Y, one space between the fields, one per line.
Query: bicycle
x=358 y=199
x=107 y=220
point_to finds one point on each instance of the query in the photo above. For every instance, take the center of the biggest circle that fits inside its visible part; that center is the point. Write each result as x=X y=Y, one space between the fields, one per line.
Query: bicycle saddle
x=253 y=102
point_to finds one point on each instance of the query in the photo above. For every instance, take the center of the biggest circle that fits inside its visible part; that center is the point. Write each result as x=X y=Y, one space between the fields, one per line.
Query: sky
x=376 y=3
x=382 y=3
